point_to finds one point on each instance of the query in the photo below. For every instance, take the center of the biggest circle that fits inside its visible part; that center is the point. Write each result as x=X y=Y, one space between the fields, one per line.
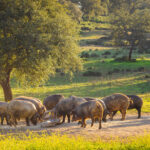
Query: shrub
x=110 y=73
x=116 y=70
x=141 y=69
x=147 y=76
x=123 y=58
x=94 y=55
x=92 y=73
x=85 y=55
x=85 y=28
x=107 y=53
x=128 y=70
x=90 y=68
x=120 y=59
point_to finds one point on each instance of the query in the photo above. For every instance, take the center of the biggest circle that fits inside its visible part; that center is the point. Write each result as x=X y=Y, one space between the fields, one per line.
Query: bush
x=94 y=55
x=90 y=68
x=141 y=69
x=92 y=73
x=85 y=55
x=116 y=70
x=85 y=28
x=107 y=53
x=123 y=58
x=120 y=59
x=147 y=76
x=128 y=70
x=110 y=73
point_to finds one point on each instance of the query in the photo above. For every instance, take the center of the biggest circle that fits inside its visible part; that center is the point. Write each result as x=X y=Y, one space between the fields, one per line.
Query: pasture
x=113 y=77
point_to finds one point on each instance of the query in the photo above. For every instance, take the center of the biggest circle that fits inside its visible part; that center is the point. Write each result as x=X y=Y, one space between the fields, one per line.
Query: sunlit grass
x=56 y=142
x=98 y=87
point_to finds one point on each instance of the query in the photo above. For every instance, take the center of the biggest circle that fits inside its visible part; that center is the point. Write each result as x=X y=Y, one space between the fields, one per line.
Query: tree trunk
x=130 y=53
x=6 y=88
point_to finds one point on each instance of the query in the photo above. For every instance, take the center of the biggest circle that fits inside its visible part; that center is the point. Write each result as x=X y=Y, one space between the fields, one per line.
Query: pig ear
x=131 y=101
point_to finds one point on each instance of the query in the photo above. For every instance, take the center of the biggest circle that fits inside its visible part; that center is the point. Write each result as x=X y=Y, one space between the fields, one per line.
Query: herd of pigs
x=57 y=106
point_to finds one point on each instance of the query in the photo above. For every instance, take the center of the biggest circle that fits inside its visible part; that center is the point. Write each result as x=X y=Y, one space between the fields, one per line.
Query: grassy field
x=57 y=142
x=114 y=77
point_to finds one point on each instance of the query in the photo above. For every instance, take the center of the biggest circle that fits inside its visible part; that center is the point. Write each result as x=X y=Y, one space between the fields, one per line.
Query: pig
x=117 y=102
x=39 y=106
x=27 y=97
x=65 y=107
x=3 y=112
x=51 y=101
x=105 y=113
x=18 y=109
x=136 y=103
x=92 y=109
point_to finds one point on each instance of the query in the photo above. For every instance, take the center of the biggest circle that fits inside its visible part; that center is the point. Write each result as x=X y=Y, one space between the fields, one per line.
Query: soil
x=111 y=129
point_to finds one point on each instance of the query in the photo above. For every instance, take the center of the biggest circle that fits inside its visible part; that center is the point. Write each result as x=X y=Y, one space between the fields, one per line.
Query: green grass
x=127 y=82
x=109 y=65
x=56 y=142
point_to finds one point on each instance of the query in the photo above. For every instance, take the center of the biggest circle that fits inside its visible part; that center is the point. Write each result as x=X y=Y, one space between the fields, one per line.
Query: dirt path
x=130 y=127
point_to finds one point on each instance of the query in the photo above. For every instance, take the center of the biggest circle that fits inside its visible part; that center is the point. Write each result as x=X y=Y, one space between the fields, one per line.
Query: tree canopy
x=36 y=38
x=130 y=23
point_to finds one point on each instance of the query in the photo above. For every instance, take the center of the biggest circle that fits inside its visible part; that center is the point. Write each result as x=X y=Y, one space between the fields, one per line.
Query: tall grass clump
x=57 y=142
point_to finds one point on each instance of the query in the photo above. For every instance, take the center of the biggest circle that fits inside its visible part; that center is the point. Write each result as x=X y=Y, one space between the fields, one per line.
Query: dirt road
x=130 y=127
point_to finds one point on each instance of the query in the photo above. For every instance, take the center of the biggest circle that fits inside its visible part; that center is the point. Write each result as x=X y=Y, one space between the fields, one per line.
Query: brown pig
x=92 y=109
x=38 y=104
x=3 y=112
x=105 y=113
x=22 y=109
x=136 y=103
x=117 y=102
x=51 y=101
x=65 y=107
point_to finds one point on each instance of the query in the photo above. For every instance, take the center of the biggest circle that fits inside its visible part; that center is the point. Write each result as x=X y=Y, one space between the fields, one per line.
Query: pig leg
x=13 y=120
x=64 y=116
x=68 y=118
x=7 y=120
x=114 y=113
x=111 y=116
x=100 y=124
x=27 y=121
x=139 y=112
x=2 y=119
x=92 y=119
x=83 y=123
x=16 y=121
x=123 y=114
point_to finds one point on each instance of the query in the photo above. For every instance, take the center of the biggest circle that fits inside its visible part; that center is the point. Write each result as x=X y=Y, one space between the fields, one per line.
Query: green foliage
x=36 y=37
x=74 y=9
x=90 y=8
x=129 y=25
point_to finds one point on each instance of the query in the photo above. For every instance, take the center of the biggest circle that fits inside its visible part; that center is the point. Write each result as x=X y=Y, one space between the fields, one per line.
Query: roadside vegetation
x=53 y=142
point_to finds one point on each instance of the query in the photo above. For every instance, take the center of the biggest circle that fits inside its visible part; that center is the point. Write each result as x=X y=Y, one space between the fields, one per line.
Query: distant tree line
x=129 y=19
